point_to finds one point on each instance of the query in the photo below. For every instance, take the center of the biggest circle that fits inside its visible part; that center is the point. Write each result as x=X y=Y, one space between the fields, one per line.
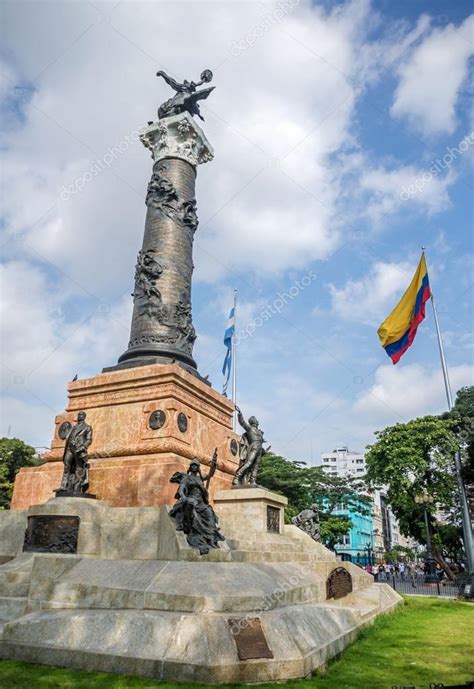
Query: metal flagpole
x=234 y=362
x=466 y=520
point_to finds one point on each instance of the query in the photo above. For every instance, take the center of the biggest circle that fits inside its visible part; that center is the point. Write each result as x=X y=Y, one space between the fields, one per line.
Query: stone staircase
x=269 y=547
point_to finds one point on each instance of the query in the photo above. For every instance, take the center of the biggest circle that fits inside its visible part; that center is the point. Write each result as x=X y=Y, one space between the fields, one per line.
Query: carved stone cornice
x=177 y=136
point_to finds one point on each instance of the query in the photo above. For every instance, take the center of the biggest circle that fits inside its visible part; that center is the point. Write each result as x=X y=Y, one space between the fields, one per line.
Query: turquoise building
x=358 y=544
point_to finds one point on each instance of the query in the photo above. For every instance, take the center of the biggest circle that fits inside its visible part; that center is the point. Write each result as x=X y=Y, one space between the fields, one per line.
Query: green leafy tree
x=333 y=528
x=304 y=485
x=14 y=454
x=410 y=458
x=398 y=553
x=462 y=415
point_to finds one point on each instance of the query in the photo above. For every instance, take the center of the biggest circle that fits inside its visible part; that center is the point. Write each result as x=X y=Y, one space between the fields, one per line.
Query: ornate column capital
x=177 y=136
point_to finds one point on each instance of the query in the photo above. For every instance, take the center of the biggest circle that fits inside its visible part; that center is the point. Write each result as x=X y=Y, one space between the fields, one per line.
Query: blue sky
x=326 y=120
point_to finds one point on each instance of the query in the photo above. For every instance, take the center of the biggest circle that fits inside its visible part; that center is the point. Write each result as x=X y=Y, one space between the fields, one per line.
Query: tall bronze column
x=162 y=330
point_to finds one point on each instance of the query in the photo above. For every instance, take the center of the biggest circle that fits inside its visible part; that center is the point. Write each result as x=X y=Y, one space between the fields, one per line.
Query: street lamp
x=426 y=500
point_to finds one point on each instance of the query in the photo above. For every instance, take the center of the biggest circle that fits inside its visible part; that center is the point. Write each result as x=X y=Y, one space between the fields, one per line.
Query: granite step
x=283 y=545
x=274 y=556
x=12 y=607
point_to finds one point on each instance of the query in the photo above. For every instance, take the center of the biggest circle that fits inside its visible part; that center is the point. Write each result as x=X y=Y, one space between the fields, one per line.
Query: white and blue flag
x=228 y=335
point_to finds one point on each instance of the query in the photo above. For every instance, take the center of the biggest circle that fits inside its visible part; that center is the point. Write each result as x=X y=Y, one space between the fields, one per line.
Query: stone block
x=241 y=510
x=12 y=531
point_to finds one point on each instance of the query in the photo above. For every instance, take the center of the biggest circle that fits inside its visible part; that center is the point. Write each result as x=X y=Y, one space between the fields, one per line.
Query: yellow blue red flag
x=398 y=330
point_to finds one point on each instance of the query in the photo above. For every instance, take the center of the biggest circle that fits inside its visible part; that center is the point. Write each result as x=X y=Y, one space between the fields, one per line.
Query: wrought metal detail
x=273 y=519
x=182 y=422
x=157 y=419
x=51 y=534
x=64 y=429
x=249 y=638
x=234 y=447
x=339 y=583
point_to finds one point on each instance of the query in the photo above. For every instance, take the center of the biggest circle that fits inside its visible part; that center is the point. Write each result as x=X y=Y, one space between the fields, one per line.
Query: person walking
x=410 y=573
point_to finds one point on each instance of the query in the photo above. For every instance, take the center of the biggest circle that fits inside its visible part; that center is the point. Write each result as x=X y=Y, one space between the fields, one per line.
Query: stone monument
x=141 y=580
x=152 y=412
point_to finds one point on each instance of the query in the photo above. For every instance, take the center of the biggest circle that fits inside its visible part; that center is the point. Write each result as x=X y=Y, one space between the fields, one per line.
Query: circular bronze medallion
x=234 y=448
x=64 y=430
x=157 y=419
x=182 y=422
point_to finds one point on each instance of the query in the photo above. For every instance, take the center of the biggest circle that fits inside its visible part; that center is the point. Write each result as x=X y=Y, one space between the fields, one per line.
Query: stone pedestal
x=148 y=422
x=242 y=510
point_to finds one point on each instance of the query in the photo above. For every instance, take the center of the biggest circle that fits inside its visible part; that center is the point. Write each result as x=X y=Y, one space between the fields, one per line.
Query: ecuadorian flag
x=398 y=330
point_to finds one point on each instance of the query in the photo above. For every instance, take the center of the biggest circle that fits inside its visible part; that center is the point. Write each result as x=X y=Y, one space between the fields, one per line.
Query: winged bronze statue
x=187 y=95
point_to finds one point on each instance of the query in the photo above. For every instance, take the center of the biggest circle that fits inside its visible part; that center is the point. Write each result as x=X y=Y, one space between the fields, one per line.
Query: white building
x=342 y=462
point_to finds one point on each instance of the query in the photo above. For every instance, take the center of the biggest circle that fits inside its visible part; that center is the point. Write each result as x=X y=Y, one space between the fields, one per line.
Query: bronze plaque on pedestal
x=339 y=583
x=51 y=534
x=249 y=638
x=273 y=519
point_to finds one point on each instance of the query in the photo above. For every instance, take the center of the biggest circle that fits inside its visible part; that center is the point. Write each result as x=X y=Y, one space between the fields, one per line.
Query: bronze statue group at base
x=192 y=512
x=75 y=480
x=251 y=452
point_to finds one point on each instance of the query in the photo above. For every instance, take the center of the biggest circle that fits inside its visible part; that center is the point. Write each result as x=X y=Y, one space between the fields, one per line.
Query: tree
x=14 y=454
x=304 y=485
x=462 y=414
x=399 y=552
x=410 y=458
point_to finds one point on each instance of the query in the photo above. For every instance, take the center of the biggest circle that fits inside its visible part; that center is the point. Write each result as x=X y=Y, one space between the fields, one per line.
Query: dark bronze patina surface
x=162 y=330
x=339 y=583
x=192 y=512
x=75 y=478
x=156 y=419
x=51 y=534
x=251 y=452
x=187 y=97
x=308 y=521
x=249 y=638
x=64 y=430
x=182 y=422
x=273 y=519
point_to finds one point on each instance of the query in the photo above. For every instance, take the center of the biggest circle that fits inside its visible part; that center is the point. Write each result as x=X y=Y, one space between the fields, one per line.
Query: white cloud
x=405 y=392
x=382 y=191
x=369 y=299
x=430 y=81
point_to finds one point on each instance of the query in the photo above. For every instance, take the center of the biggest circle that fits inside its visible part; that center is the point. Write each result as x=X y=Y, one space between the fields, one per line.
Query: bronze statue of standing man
x=76 y=465
x=251 y=451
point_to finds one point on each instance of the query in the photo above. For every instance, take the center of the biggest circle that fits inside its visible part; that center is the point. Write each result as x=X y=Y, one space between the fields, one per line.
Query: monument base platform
x=135 y=598
x=148 y=422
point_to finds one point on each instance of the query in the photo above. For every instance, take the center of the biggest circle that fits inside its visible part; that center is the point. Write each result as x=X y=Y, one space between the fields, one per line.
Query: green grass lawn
x=425 y=641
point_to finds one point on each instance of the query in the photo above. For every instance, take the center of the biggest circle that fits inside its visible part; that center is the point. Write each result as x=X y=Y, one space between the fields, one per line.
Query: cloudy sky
x=343 y=136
